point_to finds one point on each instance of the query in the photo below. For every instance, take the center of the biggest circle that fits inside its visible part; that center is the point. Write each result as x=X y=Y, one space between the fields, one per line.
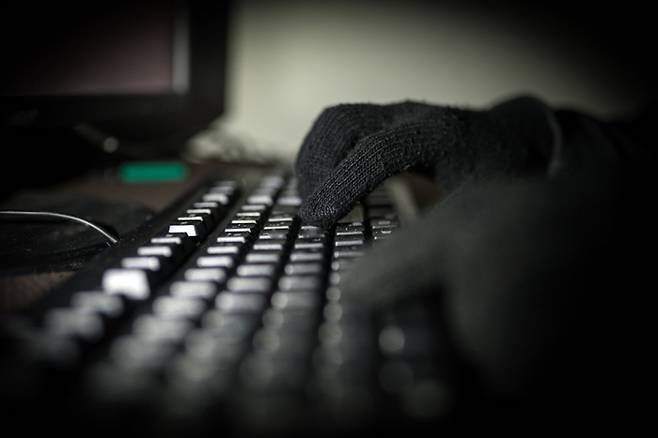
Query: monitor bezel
x=141 y=116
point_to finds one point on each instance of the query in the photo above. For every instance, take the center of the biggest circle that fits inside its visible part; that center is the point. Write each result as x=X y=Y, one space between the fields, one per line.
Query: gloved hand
x=352 y=148
x=520 y=262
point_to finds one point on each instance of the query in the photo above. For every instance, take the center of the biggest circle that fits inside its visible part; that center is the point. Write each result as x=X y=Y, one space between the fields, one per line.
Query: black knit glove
x=352 y=148
x=527 y=271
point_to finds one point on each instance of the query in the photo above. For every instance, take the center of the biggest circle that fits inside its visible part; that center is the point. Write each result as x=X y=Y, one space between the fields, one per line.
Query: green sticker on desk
x=152 y=171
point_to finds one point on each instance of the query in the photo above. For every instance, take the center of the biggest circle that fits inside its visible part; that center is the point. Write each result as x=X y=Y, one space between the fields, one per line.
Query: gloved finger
x=375 y=158
x=334 y=133
x=339 y=128
x=512 y=138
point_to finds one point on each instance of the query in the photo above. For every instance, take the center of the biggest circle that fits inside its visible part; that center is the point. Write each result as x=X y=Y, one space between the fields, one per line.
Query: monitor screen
x=142 y=69
x=96 y=48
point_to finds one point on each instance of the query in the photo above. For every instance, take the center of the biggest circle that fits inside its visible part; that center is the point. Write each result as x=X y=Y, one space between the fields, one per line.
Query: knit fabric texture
x=352 y=148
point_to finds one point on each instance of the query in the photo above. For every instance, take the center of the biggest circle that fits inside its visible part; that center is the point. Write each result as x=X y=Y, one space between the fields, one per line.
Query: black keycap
x=263 y=257
x=195 y=229
x=256 y=270
x=249 y=284
x=299 y=282
x=304 y=268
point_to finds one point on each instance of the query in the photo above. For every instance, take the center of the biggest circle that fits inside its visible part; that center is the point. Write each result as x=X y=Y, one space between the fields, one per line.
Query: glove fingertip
x=318 y=211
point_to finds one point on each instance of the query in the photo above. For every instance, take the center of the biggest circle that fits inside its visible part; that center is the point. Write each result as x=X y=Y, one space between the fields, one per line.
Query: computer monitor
x=141 y=70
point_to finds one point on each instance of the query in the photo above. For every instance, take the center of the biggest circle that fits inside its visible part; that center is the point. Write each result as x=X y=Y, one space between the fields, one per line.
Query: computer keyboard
x=227 y=313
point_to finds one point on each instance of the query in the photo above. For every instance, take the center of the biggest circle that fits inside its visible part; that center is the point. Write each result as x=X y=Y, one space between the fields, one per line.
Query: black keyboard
x=225 y=313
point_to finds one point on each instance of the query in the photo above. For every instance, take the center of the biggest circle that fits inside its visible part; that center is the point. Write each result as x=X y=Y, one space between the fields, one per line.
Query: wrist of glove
x=352 y=148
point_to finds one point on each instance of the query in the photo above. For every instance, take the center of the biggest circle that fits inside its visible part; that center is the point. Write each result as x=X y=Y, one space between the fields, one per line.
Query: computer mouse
x=37 y=253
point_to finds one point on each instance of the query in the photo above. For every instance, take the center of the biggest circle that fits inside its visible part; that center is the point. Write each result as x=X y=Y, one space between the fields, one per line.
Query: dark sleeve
x=594 y=146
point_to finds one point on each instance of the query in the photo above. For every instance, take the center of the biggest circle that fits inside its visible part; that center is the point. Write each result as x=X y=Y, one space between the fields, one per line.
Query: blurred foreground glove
x=352 y=148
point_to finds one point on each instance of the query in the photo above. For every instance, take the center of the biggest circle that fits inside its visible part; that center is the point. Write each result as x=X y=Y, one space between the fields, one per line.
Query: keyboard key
x=273 y=235
x=294 y=201
x=239 y=228
x=220 y=198
x=274 y=226
x=382 y=213
x=224 y=250
x=269 y=246
x=232 y=325
x=203 y=215
x=307 y=232
x=227 y=190
x=278 y=218
x=230 y=183
x=299 y=320
x=347 y=254
x=181 y=244
x=146 y=263
x=46 y=348
x=136 y=353
x=342 y=241
x=295 y=282
x=99 y=303
x=167 y=240
x=312 y=228
x=215 y=347
x=316 y=239
x=132 y=283
x=240 y=221
x=273 y=377
x=273 y=181
x=207 y=213
x=248 y=213
x=155 y=329
x=384 y=223
x=215 y=262
x=216 y=275
x=260 y=199
x=176 y=307
x=188 y=228
x=278 y=345
x=231 y=328
x=156 y=250
x=210 y=205
x=71 y=322
x=245 y=284
x=204 y=222
x=257 y=270
x=342 y=230
x=287 y=210
x=254 y=208
x=381 y=233
x=241 y=303
x=214 y=209
x=295 y=300
x=303 y=268
x=263 y=257
x=298 y=256
x=342 y=265
x=232 y=238
x=196 y=288
x=335 y=278
x=309 y=245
